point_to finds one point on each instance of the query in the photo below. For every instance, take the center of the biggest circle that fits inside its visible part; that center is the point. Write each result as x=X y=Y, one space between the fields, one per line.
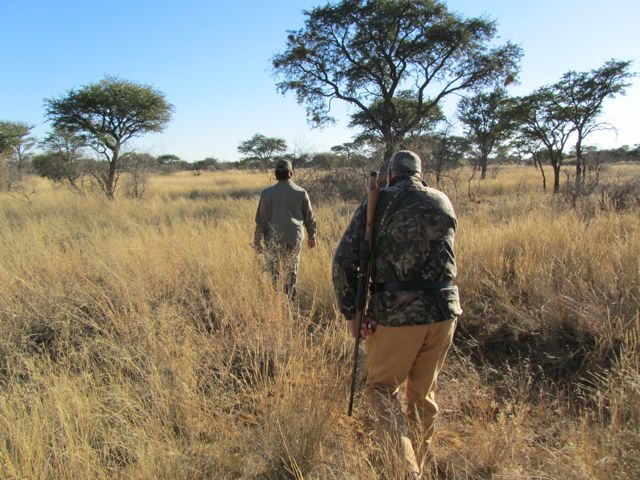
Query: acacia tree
x=209 y=163
x=6 y=141
x=15 y=138
x=583 y=93
x=8 y=137
x=263 y=148
x=488 y=120
x=541 y=117
x=382 y=56
x=169 y=163
x=110 y=113
x=351 y=152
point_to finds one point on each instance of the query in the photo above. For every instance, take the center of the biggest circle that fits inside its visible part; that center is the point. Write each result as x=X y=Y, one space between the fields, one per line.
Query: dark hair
x=283 y=174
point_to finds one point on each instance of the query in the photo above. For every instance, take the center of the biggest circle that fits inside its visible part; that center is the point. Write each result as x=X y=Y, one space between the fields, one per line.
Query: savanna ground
x=142 y=339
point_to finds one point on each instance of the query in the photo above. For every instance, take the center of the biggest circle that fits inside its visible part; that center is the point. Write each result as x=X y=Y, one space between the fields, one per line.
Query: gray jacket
x=283 y=211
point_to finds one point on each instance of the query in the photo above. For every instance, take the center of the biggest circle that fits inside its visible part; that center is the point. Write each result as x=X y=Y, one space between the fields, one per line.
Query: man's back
x=413 y=244
x=283 y=214
x=414 y=235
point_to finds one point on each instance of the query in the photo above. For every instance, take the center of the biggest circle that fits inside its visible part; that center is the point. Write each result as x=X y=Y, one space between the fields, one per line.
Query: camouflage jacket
x=413 y=241
x=283 y=211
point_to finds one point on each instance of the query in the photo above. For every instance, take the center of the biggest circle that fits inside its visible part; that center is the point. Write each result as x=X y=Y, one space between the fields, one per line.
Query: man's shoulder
x=436 y=193
x=433 y=200
x=417 y=202
x=282 y=188
x=269 y=190
x=296 y=187
x=427 y=193
x=440 y=200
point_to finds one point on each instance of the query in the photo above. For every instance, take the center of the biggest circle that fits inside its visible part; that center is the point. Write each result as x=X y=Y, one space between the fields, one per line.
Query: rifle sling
x=410 y=286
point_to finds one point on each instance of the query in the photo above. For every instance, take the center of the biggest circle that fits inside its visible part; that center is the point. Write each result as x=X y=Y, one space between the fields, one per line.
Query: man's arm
x=309 y=217
x=346 y=261
x=262 y=222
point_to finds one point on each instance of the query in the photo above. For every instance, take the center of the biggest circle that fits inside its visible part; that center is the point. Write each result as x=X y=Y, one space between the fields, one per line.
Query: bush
x=337 y=184
x=620 y=196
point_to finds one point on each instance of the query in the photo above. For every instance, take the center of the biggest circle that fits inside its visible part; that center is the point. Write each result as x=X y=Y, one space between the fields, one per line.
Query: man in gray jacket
x=284 y=212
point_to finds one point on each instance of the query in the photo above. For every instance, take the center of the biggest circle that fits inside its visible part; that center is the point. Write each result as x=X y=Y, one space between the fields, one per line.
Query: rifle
x=364 y=273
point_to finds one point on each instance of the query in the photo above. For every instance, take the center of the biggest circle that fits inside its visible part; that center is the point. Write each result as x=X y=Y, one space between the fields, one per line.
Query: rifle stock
x=364 y=274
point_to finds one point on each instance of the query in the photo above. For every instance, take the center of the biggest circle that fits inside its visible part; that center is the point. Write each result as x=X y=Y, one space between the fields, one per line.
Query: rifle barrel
x=364 y=274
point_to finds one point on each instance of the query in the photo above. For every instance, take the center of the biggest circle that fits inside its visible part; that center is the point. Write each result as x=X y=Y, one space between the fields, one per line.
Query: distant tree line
x=394 y=63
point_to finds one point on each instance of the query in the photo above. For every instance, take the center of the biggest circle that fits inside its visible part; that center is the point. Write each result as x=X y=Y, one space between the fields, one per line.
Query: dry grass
x=142 y=339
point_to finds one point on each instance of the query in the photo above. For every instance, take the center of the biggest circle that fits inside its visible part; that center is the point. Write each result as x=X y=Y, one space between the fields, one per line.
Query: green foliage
x=11 y=133
x=405 y=114
x=15 y=139
x=168 y=159
x=111 y=111
x=64 y=159
x=55 y=166
x=169 y=163
x=368 y=53
x=583 y=93
x=209 y=163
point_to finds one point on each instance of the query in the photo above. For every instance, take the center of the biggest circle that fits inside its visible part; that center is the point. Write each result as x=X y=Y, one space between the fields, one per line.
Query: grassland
x=141 y=339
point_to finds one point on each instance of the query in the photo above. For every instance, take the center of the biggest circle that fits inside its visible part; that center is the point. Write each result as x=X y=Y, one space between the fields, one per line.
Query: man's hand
x=366 y=329
x=311 y=242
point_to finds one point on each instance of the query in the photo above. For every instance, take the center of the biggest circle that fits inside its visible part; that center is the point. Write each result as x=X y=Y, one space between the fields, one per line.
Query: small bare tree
x=530 y=147
x=64 y=159
x=136 y=166
x=441 y=152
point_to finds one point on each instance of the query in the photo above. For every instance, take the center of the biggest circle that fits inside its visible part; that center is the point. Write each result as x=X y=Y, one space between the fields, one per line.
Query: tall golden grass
x=143 y=339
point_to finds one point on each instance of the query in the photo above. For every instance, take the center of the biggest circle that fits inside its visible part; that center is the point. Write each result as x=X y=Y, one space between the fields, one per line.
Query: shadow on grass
x=211 y=195
x=562 y=355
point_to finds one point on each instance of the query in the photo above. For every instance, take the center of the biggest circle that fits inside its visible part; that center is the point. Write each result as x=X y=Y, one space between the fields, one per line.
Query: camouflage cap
x=405 y=161
x=284 y=166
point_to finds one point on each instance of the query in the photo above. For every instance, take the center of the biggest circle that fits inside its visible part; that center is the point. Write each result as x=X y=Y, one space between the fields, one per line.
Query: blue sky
x=211 y=59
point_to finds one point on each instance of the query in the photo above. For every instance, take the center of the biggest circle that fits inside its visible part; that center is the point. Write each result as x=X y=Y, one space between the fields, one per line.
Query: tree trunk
x=556 y=178
x=483 y=166
x=580 y=167
x=485 y=151
x=389 y=149
x=110 y=186
x=538 y=163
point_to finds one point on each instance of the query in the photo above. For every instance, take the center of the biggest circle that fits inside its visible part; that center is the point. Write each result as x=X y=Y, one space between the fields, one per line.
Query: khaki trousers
x=414 y=354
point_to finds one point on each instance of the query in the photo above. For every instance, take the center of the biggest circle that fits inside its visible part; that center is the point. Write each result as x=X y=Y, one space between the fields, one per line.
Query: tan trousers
x=414 y=354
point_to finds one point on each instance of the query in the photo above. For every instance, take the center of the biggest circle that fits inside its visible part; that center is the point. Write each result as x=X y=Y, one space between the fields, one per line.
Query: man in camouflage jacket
x=414 y=304
x=284 y=209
